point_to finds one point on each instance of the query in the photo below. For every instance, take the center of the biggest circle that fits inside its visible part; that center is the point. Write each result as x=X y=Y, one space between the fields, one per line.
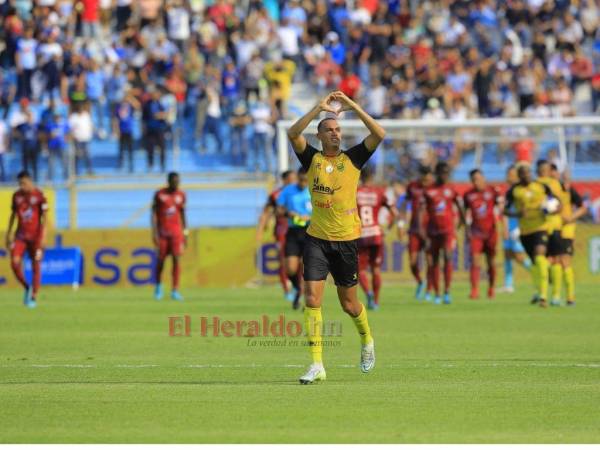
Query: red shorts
x=370 y=256
x=415 y=243
x=33 y=248
x=170 y=245
x=484 y=244
x=446 y=242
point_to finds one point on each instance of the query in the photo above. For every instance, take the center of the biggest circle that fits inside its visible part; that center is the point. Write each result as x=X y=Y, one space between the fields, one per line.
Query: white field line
x=288 y=366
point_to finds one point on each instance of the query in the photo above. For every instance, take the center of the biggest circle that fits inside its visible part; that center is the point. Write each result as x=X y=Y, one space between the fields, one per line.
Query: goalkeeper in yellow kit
x=332 y=237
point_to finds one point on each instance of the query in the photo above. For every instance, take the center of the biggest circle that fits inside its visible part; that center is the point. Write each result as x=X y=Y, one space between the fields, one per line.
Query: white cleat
x=316 y=372
x=507 y=290
x=367 y=357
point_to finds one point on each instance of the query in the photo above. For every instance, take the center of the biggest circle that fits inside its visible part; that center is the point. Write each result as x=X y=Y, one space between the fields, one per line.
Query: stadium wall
x=224 y=257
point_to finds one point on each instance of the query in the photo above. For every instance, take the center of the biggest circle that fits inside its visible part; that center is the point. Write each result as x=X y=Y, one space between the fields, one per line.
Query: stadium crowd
x=217 y=74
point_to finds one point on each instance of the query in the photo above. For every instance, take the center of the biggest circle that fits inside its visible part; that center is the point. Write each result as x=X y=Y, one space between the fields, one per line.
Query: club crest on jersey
x=178 y=199
x=447 y=192
x=33 y=200
x=340 y=166
x=487 y=196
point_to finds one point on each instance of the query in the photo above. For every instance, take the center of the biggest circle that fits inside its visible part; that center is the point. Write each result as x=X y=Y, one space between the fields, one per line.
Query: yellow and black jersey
x=554 y=220
x=333 y=182
x=570 y=200
x=528 y=200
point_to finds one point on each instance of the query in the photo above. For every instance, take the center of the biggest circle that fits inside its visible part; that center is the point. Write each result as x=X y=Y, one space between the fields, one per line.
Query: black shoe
x=535 y=299
x=296 y=304
x=571 y=303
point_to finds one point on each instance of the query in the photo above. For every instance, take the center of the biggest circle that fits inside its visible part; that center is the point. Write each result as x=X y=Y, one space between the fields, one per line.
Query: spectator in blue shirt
x=27 y=133
x=154 y=117
x=57 y=136
x=115 y=89
x=94 y=80
x=124 y=123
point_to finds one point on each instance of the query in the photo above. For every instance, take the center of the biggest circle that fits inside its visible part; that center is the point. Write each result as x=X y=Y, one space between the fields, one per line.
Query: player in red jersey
x=29 y=207
x=480 y=206
x=370 y=199
x=439 y=201
x=169 y=232
x=416 y=244
x=281 y=226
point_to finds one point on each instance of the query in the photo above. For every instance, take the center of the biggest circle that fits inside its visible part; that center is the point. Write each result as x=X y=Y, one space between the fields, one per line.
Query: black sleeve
x=359 y=155
x=547 y=190
x=306 y=156
x=509 y=198
x=576 y=198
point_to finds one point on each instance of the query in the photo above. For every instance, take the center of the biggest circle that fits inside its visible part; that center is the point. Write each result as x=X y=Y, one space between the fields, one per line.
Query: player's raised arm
x=581 y=207
x=295 y=131
x=508 y=211
x=377 y=131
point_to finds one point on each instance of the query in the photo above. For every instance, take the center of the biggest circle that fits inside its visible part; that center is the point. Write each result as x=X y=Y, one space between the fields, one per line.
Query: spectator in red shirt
x=350 y=84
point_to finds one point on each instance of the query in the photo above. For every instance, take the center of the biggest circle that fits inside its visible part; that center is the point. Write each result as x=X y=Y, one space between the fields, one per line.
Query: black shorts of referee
x=340 y=258
x=295 y=241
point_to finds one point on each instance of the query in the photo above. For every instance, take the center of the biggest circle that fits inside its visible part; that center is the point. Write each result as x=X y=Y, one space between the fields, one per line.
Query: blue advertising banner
x=60 y=266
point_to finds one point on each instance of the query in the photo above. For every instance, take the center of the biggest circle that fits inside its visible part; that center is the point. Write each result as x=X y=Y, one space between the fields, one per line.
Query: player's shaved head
x=524 y=173
x=25 y=181
x=442 y=171
x=543 y=168
x=511 y=175
x=330 y=135
x=173 y=180
x=288 y=177
x=302 y=178
x=322 y=123
x=477 y=178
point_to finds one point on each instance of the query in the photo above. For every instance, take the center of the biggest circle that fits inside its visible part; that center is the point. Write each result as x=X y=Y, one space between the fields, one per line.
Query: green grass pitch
x=99 y=366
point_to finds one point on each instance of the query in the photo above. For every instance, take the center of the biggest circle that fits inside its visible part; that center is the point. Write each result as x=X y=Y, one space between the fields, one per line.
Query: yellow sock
x=362 y=325
x=556 y=274
x=541 y=262
x=535 y=278
x=314 y=322
x=569 y=274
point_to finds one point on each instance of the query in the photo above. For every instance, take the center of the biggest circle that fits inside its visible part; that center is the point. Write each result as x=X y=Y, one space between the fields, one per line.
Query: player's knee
x=312 y=300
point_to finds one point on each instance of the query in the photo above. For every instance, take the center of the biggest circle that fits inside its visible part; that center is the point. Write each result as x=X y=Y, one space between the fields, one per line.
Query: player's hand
x=325 y=105
x=347 y=103
x=568 y=219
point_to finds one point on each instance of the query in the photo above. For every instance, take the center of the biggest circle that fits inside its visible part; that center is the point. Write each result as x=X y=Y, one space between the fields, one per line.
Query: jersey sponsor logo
x=482 y=210
x=325 y=205
x=170 y=211
x=322 y=188
x=27 y=214
x=440 y=206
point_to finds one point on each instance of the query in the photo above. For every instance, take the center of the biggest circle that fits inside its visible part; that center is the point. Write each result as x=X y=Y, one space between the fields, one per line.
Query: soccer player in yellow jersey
x=331 y=238
x=524 y=200
x=573 y=209
x=555 y=241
